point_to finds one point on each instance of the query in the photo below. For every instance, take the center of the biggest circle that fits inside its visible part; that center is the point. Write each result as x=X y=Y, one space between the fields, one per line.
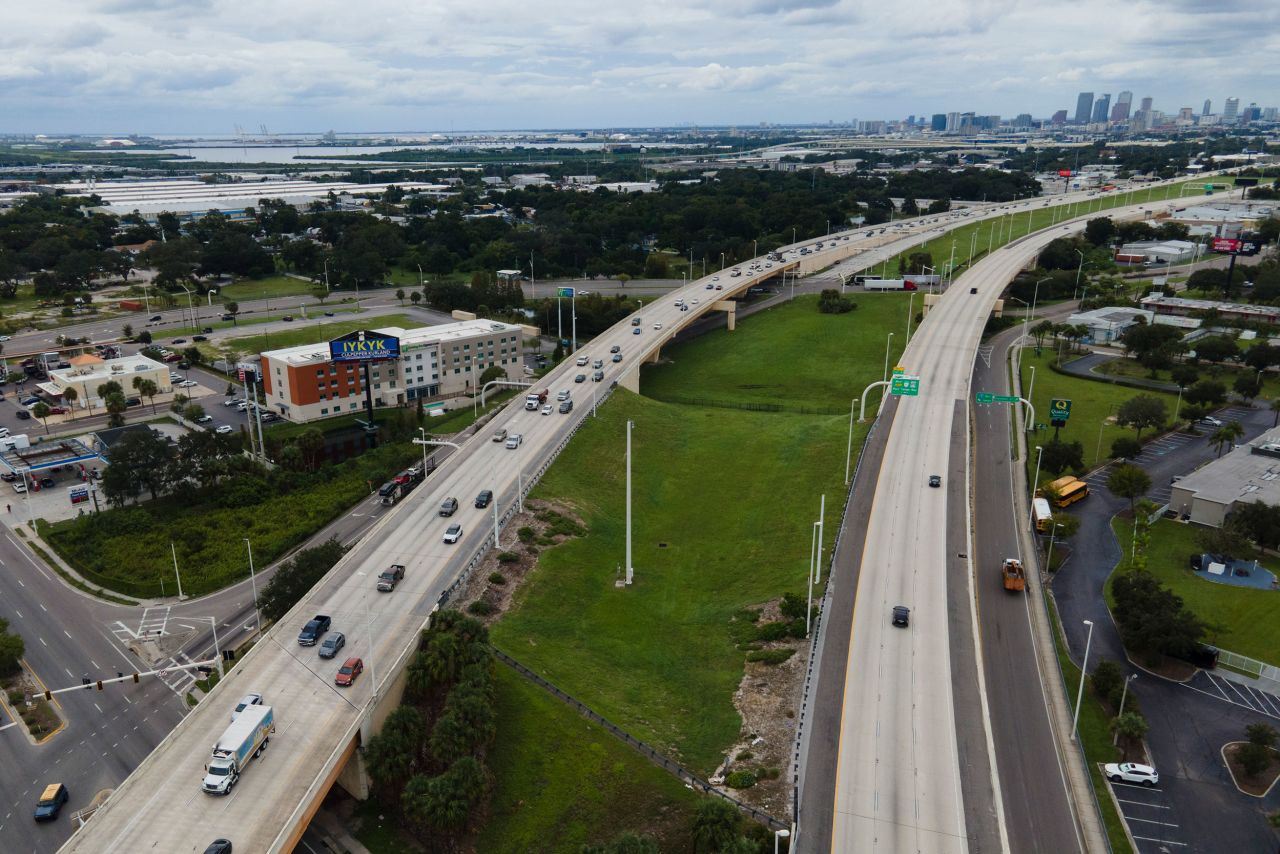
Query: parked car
x=232 y=401
x=224 y=429
x=452 y=534
x=332 y=645
x=58 y=410
x=29 y=401
x=188 y=384
x=204 y=419
x=23 y=415
x=1131 y=772
x=246 y=701
x=347 y=673
x=288 y=318
x=175 y=377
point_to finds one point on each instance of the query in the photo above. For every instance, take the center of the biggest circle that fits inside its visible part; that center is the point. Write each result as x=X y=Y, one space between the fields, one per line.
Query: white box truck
x=244 y=739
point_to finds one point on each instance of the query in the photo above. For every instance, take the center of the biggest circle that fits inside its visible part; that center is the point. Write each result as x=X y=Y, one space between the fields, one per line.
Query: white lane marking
x=1161 y=841
x=67 y=633
x=42 y=641
x=1150 y=821
x=42 y=607
x=19 y=613
x=99 y=708
x=95 y=664
x=68 y=672
x=1144 y=804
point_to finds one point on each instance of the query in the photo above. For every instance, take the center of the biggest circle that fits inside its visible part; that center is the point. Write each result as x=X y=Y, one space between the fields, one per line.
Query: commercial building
x=436 y=363
x=1231 y=111
x=1106 y=325
x=1181 y=306
x=1124 y=103
x=1162 y=251
x=1101 y=108
x=1084 y=104
x=1247 y=474
x=89 y=373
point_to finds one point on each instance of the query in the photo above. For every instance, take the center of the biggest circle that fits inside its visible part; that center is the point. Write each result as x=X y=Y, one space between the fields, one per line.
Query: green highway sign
x=904 y=385
x=988 y=397
x=1007 y=398
x=1059 y=408
x=564 y=292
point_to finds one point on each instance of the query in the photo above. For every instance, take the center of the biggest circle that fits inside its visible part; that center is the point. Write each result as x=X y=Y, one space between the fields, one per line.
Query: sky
x=205 y=66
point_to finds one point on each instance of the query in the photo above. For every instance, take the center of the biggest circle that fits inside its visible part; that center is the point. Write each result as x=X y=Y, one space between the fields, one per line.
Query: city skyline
x=165 y=66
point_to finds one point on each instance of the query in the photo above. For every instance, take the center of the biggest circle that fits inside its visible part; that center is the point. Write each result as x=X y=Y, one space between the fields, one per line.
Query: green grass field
x=316 y=330
x=1091 y=403
x=657 y=658
x=561 y=781
x=790 y=355
x=270 y=287
x=1241 y=619
x=1225 y=374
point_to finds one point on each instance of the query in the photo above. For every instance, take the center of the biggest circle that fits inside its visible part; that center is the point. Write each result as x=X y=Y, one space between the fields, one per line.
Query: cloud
x=202 y=66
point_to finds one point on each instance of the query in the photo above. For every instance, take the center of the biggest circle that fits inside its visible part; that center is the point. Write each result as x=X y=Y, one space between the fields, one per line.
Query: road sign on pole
x=904 y=385
x=988 y=397
x=1059 y=408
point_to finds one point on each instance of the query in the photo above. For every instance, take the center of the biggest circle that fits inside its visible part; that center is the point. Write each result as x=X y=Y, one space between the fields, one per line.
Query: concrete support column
x=631 y=380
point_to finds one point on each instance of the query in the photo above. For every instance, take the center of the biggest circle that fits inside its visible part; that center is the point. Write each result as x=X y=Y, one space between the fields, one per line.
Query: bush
x=481 y=608
x=508 y=557
x=497 y=578
x=1106 y=679
x=792 y=606
x=771 y=656
x=744 y=756
x=1253 y=758
x=16 y=698
x=740 y=780
x=525 y=533
x=772 y=631
x=1126 y=448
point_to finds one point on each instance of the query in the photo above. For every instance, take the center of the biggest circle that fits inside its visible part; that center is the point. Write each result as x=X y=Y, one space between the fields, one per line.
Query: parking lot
x=1152 y=821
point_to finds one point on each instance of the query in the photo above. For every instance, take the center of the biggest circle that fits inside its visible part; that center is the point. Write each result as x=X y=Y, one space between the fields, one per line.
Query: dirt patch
x=24 y=701
x=1258 y=785
x=488 y=594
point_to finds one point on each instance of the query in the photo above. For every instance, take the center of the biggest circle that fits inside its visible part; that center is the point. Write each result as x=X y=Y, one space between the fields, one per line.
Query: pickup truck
x=313 y=630
x=387 y=580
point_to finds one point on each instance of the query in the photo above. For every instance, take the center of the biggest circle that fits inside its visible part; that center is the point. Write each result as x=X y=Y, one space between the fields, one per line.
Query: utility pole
x=630 y=569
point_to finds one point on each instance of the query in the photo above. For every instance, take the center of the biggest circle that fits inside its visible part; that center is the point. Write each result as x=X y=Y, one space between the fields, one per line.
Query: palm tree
x=1226 y=435
x=400 y=295
x=69 y=397
x=148 y=389
x=1275 y=407
x=41 y=411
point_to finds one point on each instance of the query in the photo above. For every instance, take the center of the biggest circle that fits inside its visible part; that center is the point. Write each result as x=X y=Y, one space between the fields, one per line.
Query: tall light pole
x=253 y=581
x=1031 y=387
x=848 y=453
x=1048 y=558
x=1034 y=483
x=911 y=302
x=174 y=551
x=1123 y=694
x=1084 y=671
x=813 y=562
x=1079 y=270
x=888 y=339
x=630 y=571
x=780 y=834
x=217 y=651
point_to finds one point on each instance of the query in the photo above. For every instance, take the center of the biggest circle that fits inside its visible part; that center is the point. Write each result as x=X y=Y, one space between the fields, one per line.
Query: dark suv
x=483 y=499
x=901 y=615
x=448 y=507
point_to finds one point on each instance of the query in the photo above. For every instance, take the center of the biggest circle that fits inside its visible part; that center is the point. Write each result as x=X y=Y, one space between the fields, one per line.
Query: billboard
x=1248 y=246
x=1225 y=244
x=1064 y=173
x=362 y=346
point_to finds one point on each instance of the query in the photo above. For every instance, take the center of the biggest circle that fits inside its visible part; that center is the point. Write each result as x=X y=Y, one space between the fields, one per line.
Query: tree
x=69 y=397
x=1058 y=456
x=400 y=295
x=41 y=411
x=1042 y=330
x=116 y=405
x=1100 y=231
x=148 y=389
x=193 y=412
x=1184 y=375
x=1106 y=678
x=11 y=650
x=494 y=372
x=127 y=330
x=392 y=755
x=1125 y=448
x=296 y=576
x=1153 y=345
x=1128 y=481
x=715 y=826
x=1258 y=521
x=1262 y=356
x=830 y=302
x=144 y=337
x=1207 y=392
x=1248 y=385
x=139 y=461
x=1217 y=348
x=1262 y=734
x=415 y=297
x=1131 y=726
x=445 y=802
x=1153 y=619
x=1226 y=435
x=233 y=309
x=1140 y=412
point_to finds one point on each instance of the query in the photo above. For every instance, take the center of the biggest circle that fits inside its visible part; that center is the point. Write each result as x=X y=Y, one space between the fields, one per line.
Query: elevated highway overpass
x=161 y=807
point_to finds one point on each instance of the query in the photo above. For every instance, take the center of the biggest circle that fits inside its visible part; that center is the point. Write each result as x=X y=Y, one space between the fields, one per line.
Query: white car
x=174 y=376
x=204 y=419
x=5 y=338
x=232 y=401
x=546 y=409
x=188 y=384
x=657 y=326
x=453 y=534
x=245 y=702
x=1210 y=421
x=224 y=429
x=1131 y=772
x=514 y=440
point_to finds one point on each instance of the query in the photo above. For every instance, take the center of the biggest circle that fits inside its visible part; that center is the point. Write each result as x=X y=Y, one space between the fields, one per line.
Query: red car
x=347 y=673
x=58 y=410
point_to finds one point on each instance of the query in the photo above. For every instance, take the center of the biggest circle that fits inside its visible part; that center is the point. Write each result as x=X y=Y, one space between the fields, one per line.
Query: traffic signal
x=48 y=695
x=99 y=684
x=228 y=655
x=136 y=679
x=204 y=668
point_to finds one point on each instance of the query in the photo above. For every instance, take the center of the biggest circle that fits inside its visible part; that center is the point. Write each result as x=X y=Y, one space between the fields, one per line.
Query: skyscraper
x=1230 y=111
x=1146 y=104
x=1124 y=103
x=1101 y=108
x=939 y=122
x=1084 y=103
x=1208 y=108
x=1059 y=118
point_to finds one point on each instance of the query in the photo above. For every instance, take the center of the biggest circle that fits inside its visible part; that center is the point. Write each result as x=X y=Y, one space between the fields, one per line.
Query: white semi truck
x=244 y=739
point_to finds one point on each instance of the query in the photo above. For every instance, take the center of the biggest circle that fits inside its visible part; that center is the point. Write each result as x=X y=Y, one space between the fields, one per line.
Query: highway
x=161 y=807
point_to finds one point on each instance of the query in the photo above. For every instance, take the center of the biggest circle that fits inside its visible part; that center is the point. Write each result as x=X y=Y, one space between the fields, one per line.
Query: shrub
x=772 y=631
x=16 y=698
x=525 y=533
x=1126 y=448
x=481 y=608
x=792 y=606
x=744 y=756
x=740 y=780
x=508 y=557
x=497 y=578
x=1107 y=678
x=771 y=656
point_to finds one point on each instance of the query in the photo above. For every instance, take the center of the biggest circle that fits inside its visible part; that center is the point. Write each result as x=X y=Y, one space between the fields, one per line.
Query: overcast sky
x=204 y=66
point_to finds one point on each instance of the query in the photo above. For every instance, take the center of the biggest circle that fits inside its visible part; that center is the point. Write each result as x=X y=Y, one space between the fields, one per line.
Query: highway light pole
x=1030 y=388
x=822 y=529
x=1084 y=671
x=1079 y=270
x=174 y=551
x=630 y=570
x=813 y=562
x=911 y=302
x=848 y=453
x=887 y=341
x=780 y=834
x=253 y=581
x=1123 y=694
x=217 y=652
x=1034 y=483
x=1048 y=558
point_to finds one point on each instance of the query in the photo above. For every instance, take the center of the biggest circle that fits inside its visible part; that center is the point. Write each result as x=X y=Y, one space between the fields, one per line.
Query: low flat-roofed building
x=436 y=362
x=1163 y=251
x=1108 y=324
x=1165 y=305
x=1242 y=476
x=88 y=373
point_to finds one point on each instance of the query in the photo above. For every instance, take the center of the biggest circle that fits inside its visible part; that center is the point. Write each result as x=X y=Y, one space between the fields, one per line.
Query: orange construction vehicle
x=1014 y=576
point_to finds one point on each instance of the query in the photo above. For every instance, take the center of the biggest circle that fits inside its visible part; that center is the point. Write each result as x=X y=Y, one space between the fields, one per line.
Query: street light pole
x=1123 y=694
x=630 y=571
x=1034 y=483
x=1079 y=270
x=887 y=341
x=174 y=551
x=848 y=454
x=253 y=581
x=780 y=834
x=1084 y=671
x=1030 y=388
x=1048 y=559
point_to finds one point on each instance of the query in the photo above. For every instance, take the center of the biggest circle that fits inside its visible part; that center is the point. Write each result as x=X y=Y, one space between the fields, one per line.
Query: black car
x=23 y=415
x=901 y=615
x=208 y=330
x=483 y=499
x=47 y=483
x=219 y=846
x=935 y=480
x=199 y=338
x=228 y=317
